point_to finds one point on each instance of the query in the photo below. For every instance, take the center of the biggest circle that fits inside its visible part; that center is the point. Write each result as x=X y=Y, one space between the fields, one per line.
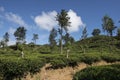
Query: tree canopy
x=20 y=34
x=35 y=37
x=108 y=25
x=52 y=40
x=96 y=32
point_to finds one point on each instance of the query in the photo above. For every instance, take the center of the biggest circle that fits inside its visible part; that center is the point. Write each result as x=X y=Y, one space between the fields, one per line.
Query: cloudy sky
x=38 y=16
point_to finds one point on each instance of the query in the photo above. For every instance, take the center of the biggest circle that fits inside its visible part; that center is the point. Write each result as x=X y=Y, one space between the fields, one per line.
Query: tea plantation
x=90 y=50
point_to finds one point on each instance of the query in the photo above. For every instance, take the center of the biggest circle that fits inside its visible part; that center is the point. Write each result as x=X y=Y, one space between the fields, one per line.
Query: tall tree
x=96 y=32
x=6 y=38
x=84 y=33
x=108 y=25
x=63 y=21
x=52 y=40
x=20 y=34
x=35 y=37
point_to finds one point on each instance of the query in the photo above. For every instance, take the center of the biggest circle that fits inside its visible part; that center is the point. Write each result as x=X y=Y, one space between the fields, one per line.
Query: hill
x=90 y=50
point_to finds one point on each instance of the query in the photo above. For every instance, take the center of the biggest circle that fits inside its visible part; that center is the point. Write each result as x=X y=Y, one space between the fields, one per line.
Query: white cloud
x=2 y=9
x=15 y=19
x=76 y=21
x=11 y=30
x=46 y=20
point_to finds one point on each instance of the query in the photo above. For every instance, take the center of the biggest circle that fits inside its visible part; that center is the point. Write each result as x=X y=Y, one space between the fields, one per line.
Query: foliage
x=12 y=65
x=2 y=43
x=96 y=32
x=110 y=57
x=63 y=21
x=67 y=38
x=84 y=33
x=35 y=37
x=5 y=40
x=118 y=33
x=108 y=25
x=90 y=58
x=20 y=34
x=17 y=68
x=110 y=72
x=52 y=40
x=6 y=37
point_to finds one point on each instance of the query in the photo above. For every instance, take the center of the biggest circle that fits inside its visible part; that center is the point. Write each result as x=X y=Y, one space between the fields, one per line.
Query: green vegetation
x=17 y=68
x=96 y=32
x=18 y=60
x=108 y=25
x=35 y=37
x=20 y=34
x=111 y=72
x=63 y=21
x=52 y=40
x=12 y=65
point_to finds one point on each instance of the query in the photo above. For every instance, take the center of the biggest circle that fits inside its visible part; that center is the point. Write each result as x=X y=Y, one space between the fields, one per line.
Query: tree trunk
x=61 y=47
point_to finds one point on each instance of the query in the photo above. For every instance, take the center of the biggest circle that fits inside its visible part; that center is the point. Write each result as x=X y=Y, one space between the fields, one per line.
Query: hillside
x=88 y=51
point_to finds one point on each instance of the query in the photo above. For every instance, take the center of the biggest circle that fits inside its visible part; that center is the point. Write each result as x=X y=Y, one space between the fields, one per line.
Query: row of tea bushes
x=17 y=68
x=109 y=72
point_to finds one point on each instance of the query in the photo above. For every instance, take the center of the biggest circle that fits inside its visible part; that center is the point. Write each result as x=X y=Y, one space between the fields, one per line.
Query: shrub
x=111 y=72
x=90 y=58
x=16 y=68
x=110 y=57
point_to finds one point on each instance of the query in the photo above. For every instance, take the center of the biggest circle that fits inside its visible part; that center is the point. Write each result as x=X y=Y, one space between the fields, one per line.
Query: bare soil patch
x=65 y=73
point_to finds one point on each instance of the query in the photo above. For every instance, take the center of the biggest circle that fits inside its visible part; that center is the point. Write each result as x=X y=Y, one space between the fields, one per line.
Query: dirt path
x=61 y=74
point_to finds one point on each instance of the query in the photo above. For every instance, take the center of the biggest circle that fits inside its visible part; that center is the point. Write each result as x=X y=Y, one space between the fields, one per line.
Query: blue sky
x=38 y=16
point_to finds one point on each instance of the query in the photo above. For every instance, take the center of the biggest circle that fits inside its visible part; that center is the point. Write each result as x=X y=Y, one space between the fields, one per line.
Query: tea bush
x=110 y=57
x=111 y=72
x=17 y=68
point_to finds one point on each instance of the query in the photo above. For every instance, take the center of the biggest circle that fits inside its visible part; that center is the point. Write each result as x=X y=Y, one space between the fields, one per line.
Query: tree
x=35 y=37
x=2 y=43
x=6 y=38
x=118 y=32
x=63 y=21
x=108 y=25
x=52 y=36
x=84 y=33
x=84 y=36
x=67 y=38
x=20 y=34
x=96 y=32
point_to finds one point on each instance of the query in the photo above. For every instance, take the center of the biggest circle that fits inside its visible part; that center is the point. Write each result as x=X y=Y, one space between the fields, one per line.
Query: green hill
x=89 y=50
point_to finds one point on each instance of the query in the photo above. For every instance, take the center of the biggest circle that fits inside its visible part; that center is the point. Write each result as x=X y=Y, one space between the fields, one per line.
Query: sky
x=38 y=16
